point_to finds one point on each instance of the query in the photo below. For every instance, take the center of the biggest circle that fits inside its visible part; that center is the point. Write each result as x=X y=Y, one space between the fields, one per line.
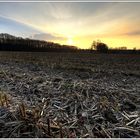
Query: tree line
x=12 y=43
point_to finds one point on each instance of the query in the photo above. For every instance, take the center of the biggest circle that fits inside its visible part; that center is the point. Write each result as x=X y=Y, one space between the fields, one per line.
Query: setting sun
x=70 y=41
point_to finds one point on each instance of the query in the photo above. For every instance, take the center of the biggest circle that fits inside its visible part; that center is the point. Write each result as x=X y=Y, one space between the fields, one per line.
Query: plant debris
x=46 y=96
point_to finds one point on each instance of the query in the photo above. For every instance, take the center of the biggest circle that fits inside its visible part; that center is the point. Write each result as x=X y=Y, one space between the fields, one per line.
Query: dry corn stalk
x=36 y=113
x=3 y=99
x=22 y=110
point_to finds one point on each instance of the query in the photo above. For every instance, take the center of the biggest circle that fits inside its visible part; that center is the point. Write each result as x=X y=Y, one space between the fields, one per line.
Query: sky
x=74 y=23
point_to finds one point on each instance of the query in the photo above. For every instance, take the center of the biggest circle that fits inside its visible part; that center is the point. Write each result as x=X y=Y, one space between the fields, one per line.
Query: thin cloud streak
x=47 y=37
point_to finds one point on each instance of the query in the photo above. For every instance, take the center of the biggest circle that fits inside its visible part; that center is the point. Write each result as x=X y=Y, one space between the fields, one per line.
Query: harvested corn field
x=70 y=95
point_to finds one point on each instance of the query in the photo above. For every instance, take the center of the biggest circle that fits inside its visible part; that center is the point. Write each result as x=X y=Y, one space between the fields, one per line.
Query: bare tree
x=99 y=46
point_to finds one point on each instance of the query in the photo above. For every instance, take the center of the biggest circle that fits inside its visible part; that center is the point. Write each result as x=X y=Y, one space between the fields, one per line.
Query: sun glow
x=70 y=41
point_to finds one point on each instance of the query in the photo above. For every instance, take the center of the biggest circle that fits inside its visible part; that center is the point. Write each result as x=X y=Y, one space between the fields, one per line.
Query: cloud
x=133 y=33
x=8 y=25
x=47 y=36
x=12 y=26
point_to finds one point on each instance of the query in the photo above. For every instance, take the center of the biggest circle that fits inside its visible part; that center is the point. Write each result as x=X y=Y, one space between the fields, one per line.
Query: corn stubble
x=69 y=95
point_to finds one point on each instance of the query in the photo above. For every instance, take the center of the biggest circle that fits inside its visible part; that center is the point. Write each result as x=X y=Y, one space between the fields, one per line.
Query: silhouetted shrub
x=99 y=46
